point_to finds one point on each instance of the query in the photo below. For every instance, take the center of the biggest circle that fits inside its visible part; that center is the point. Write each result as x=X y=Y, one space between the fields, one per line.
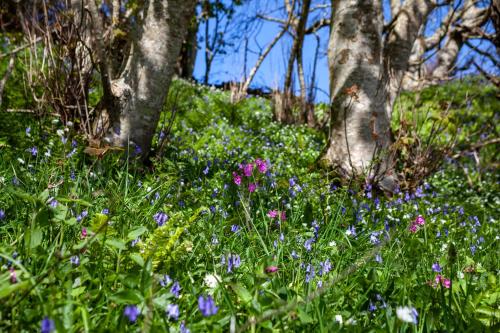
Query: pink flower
x=247 y=169
x=13 y=276
x=420 y=220
x=272 y=213
x=252 y=187
x=283 y=216
x=84 y=233
x=413 y=228
x=261 y=165
x=271 y=269
x=236 y=179
x=439 y=279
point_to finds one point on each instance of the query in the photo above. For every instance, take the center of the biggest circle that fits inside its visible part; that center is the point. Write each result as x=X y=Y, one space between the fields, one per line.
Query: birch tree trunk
x=360 y=126
x=366 y=72
x=141 y=89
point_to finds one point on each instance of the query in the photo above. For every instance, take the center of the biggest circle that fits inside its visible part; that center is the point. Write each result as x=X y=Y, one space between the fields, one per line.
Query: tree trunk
x=142 y=87
x=360 y=126
x=366 y=73
x=187 y=56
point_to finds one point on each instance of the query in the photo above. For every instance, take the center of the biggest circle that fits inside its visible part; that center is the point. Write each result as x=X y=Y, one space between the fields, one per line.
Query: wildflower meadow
x=233 y=228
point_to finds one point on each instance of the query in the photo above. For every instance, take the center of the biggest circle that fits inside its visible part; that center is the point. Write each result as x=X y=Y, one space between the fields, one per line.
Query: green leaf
x=136 y=233
x=126 y=297
x=36 y=238
x=304 y=317
x=118 y=244
x=136 y=257
x=243 y=294
x=9 y=288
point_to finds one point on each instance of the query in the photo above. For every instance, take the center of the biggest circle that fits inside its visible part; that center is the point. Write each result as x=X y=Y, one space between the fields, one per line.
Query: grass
x=84 y=242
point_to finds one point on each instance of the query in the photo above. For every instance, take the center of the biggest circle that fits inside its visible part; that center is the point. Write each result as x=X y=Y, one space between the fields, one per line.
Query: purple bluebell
x=436 y=267
x=131 y=312
x=161 y=218
x=183 y=328
x=308 y=244
x=176 y=289
x=173 y=311
x=165 y=281
x=207 y=306
x=235 y=228
x=325 y=267
x=47 y=325
x=2 y=214
x=33 y=151
x=75 y=260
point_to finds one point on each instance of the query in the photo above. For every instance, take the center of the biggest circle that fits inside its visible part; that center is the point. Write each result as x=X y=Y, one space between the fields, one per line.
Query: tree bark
x=366 y=73
x=360 y=126
x=142 y=87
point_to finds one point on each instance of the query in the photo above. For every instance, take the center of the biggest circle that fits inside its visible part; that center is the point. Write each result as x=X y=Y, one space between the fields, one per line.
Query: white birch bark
x=142 y=87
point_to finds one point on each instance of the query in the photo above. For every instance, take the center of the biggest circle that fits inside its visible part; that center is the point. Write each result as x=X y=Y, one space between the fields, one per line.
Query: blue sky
x=229 y=67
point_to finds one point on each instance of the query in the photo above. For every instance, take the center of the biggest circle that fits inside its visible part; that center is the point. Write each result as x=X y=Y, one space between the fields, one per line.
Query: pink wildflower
x=413 y=228
x=236 y=179
x=13 y=276
x=283 y=216
x=441 y=280
x=247 y=169
x=272 y=213
x=446 y=283
x=261 y=165
x=252 y=187
x=84 y=233
x=271 y=269
x=420 y=220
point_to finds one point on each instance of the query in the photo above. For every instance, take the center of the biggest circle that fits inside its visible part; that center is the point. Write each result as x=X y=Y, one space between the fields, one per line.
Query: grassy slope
x=125 y=254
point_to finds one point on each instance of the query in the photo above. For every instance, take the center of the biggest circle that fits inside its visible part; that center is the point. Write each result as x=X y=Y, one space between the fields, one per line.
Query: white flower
x=407 y=314
x=212 y=280
x=338 y=319
x=332 y=244
x=20 y=160
x=60 y=132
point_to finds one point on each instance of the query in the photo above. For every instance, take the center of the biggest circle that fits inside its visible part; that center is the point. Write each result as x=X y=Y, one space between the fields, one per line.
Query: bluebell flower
x=131 y=312
x=372 y=307
x=294 y=255
x=47 y=325
x=176 y=289
x=165 y=281
x=53 y=203
x=173 y=311
x=105 y=211
x=308 y=244
x=81 y=216
x=473 y=249
x=351 y=231
x=183 y=328
x=235 y=228
x=233 y=261
x=33 y=151
x=309 y=273
x=215 y=241
x=206 y=170
x=436 y=267
x=75 y=260
x=325 y=267
x=161 y=218
x=207 y=306
x=2 y=214
x=378 y=258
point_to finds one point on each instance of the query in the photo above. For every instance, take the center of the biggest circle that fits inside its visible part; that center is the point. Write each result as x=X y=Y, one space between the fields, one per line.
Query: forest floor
x=233 y=229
